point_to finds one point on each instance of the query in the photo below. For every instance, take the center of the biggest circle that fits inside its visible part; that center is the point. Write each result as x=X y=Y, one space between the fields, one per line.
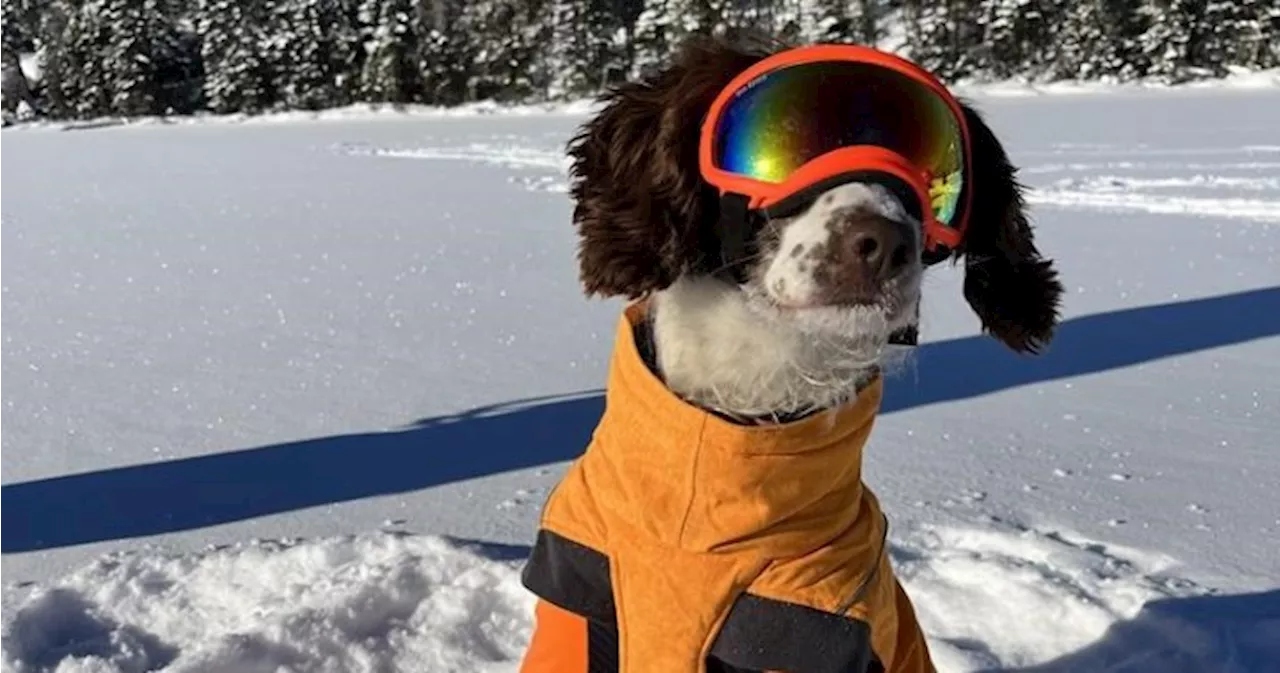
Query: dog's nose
x=874 y=248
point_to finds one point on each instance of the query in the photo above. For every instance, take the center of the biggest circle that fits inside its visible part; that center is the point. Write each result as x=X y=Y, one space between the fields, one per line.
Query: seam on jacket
x=693 y=483
x=714 y=633
x=616 y=579
x=871 y=576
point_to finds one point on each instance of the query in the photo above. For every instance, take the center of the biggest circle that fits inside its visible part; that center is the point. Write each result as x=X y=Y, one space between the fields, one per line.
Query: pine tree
x=1223 y=26
x=789 y=21
x=664 y=24
x=845 y=22
x=513 y=38
x=1079 y=32
x=445 y=54
x=58 y=63
x=1169 y=44
x=238 y=76
x=944 y=36
x=1040 y=35
x=76 y=78
x=13 y=33
x=652 y=37
x=830 y=23
x=390 y=72
x=116 y=57
x=585 y=52
x=1236 y=34
x=1269 y=38
x=315 y=55
x=148 y=60
x=1120 y=54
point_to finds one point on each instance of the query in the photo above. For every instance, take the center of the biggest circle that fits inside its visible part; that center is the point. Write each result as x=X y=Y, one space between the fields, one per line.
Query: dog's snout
x=874 y=249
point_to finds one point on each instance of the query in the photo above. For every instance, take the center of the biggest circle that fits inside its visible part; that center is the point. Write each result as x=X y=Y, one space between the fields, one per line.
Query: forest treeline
x=148 y=57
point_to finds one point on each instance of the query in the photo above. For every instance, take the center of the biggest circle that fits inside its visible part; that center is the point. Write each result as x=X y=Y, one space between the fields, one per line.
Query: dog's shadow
x=959 y=369
x=1203 y=634
x=176 y=495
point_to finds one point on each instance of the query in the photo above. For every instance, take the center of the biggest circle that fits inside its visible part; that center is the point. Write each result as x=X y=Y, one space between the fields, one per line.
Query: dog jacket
x=681 y=542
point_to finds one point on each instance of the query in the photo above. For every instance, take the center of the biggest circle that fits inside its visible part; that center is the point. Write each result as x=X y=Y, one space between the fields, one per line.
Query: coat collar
x=710 y=482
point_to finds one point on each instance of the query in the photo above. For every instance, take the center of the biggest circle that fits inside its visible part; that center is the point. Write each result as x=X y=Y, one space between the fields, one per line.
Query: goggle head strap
x=735 y=233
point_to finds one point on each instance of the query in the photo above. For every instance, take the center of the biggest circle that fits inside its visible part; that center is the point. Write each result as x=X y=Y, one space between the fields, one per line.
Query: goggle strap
x=907 y=336
x=935 y=256
x=734 y=232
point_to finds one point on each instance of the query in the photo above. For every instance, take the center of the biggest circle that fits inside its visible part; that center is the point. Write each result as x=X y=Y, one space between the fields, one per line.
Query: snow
x=289 y=395
x=30 y=64
x=356 y=603
x=1239 y=79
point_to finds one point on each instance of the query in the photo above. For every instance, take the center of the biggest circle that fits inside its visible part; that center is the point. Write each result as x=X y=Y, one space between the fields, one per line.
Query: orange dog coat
x=691 y=539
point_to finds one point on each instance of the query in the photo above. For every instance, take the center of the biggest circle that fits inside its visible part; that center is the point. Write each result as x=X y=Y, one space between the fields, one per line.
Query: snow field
x=337 y=323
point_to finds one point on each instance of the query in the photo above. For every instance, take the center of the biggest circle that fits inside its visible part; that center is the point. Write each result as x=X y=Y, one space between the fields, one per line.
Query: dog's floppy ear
x=1014 y=291
x=642 y=210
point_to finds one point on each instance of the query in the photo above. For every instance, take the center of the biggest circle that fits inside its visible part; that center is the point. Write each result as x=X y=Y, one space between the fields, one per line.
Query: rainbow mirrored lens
x=795 y=114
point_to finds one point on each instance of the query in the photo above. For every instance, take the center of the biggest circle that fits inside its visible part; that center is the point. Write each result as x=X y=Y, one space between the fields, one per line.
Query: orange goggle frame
x=849 y=160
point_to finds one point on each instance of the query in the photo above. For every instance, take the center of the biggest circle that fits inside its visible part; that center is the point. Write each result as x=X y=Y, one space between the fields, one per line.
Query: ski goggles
x=807 y=119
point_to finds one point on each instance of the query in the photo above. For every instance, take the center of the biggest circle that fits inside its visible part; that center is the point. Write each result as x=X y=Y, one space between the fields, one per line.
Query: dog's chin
x=872 y=321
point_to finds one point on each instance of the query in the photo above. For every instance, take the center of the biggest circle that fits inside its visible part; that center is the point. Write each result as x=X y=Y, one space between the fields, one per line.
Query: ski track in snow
x=990 y=596
x=1143 y=192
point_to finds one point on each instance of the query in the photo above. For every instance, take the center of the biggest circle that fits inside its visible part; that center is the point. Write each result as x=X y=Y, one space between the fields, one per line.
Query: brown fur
x=642 y=209
x=1008 y=284
x=645 y=217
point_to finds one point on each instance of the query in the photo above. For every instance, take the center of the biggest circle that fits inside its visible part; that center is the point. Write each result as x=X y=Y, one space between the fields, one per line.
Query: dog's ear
x=1014 y=291
x=642 y=210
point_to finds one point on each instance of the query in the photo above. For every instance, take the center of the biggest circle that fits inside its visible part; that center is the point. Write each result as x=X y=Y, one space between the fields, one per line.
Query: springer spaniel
x=826 y=289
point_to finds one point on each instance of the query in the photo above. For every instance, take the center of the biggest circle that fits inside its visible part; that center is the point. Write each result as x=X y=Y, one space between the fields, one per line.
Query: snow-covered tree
x=664 y=24
x=117 y=57
x=20 y=25
x=845 y=21
x=1170 y=42
x=156 y=56
x=1236 y=34
x=446 y=52
x=513 y=40
x=238 y=75
x=945 y=37
x=1100 y=39
x=390 y=72
x=13 y=33
x=1015 y=37
x=586 y=50
x=316 y=53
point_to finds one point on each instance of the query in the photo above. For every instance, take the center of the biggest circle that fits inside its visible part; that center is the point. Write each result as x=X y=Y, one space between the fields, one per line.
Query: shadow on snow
x=176 y=495
x=1236 y=633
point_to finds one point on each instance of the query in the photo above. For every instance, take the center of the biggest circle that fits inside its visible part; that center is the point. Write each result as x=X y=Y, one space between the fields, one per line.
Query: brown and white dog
x=717 y=521
x=828 y=286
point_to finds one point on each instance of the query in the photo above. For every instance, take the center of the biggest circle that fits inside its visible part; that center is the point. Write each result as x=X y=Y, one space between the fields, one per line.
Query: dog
x=794 y=345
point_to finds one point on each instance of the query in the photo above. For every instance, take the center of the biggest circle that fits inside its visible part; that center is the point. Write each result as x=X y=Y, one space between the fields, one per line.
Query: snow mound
x=373 y=602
